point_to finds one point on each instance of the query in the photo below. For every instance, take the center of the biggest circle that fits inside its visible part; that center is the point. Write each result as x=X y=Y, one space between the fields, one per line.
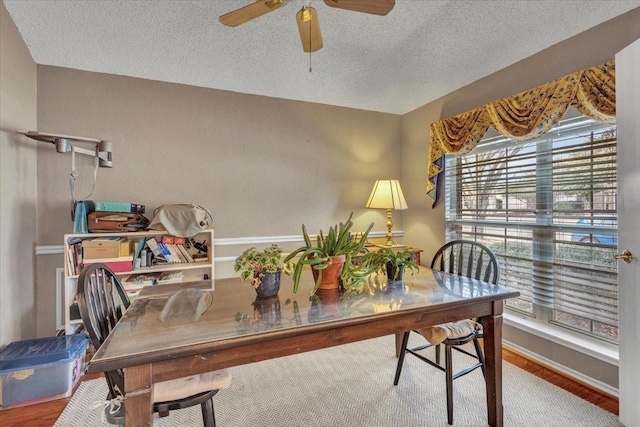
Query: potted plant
x=330 y=257
x=263 y=268
x=390 y=261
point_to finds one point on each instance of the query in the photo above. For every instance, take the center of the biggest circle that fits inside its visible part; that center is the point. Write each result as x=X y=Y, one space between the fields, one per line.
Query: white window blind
x=548 y=210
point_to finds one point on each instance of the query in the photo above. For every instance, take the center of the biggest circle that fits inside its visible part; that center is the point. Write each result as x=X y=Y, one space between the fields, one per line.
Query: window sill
x=590 y=346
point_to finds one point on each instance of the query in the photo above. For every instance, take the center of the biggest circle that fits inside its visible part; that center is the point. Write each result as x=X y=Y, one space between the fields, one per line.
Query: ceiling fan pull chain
x=310 y=46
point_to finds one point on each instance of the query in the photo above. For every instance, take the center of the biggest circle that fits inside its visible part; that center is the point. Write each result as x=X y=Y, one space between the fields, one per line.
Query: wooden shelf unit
x=192 y=271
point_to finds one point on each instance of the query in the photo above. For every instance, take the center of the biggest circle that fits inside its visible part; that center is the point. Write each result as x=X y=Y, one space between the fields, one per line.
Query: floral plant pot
x=270 y=285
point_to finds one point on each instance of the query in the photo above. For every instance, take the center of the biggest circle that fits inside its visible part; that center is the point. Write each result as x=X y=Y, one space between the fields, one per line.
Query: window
x=548 y=210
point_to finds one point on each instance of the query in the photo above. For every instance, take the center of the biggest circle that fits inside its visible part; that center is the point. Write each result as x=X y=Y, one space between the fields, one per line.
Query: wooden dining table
x=176 y=330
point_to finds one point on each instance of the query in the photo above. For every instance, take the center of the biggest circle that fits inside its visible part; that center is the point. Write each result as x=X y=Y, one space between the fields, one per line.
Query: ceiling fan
x=307 y=17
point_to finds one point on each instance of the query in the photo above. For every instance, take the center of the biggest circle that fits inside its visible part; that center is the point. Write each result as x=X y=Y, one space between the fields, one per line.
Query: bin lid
x=29 y=354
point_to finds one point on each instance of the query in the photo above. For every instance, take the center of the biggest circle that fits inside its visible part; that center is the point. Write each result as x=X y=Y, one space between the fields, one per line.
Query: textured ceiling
x=419 y=52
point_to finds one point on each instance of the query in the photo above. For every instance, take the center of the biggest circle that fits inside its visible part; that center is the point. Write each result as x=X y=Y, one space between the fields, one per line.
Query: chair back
x=101 y=300
x=467 y=258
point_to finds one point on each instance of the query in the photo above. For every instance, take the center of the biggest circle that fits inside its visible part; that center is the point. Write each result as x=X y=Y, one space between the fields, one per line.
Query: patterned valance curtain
x=524 y=116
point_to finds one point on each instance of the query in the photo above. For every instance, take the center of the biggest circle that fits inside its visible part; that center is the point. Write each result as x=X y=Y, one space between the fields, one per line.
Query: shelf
x=198 y=269
x=163 y=267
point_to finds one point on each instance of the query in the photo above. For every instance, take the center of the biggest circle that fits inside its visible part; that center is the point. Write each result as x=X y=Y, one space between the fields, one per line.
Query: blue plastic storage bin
x=39 y=370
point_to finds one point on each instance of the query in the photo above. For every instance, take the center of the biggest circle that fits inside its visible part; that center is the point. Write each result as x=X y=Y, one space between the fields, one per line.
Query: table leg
x=138 y=402
x=399 y=343
x=492 y=326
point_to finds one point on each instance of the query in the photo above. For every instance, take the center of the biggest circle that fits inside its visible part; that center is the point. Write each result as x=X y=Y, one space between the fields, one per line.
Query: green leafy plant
x=338 y=241
x=378 y=261
x=253 y=264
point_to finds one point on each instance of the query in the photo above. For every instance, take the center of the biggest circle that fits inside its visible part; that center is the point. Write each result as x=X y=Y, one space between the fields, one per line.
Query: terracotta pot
x=331 y=275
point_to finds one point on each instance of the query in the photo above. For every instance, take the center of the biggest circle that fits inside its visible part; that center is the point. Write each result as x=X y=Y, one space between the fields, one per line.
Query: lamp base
x=389 y=236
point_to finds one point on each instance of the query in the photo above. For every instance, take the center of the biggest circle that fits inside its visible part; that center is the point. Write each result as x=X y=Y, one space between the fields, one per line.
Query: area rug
x=352 y=386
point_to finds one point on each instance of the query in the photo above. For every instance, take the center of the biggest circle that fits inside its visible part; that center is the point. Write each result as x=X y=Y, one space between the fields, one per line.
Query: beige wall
x=18 y=222
x=424 y=227
x=262 y=166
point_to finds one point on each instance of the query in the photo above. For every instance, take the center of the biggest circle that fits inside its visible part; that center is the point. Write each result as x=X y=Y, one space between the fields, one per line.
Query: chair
x=469 y=259
x=102 y=300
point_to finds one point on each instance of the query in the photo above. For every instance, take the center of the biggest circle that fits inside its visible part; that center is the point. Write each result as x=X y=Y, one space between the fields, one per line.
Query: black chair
x=464 y=258
x=102 y=301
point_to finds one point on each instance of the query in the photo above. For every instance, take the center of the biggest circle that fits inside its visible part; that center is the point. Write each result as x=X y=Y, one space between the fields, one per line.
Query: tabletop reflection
x=168 y=316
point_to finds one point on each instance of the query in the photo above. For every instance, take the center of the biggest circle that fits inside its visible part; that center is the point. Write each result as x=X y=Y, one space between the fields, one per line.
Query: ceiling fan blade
x=309 y=29
x=375 y=7
x=249 y=12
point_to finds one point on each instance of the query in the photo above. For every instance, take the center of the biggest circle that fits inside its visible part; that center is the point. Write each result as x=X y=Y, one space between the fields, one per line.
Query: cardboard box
x=39 y=370
x=100 y=249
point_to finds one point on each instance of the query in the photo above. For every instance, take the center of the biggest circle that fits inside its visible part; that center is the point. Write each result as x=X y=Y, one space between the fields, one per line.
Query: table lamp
x=387 y=194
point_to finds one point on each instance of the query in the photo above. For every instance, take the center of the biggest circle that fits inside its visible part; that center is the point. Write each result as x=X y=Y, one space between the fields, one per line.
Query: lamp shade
x=387 y=194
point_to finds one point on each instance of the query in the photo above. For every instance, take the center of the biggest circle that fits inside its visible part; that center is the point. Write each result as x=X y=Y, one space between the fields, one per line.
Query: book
x=180 y=253
x=153 y=245
x=74 y=256
x=185 y=253
x=170 y=277
x=119 y=207
x=174 y=254
x=71 y=260
x=165 y=252
x=135 y=281
x=79 y=256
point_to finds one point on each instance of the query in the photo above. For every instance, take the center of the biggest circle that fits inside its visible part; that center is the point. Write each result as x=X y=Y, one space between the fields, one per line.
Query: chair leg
x=449 y=374
x=479 y=353
x=207 y=413
x=403 y=351
x=437 y=350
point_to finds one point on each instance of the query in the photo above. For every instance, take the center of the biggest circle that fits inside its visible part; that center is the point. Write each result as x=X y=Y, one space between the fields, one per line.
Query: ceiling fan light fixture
x=309 y=29
x=305 y=14
x=273 y=4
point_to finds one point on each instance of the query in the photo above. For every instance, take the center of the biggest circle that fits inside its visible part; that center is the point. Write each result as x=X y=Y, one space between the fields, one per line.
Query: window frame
x=543 y=229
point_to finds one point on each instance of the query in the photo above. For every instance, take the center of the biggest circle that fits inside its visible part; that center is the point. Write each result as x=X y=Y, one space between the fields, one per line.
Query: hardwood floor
x=45 y=414
x=604 y=401
x=40 y=415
